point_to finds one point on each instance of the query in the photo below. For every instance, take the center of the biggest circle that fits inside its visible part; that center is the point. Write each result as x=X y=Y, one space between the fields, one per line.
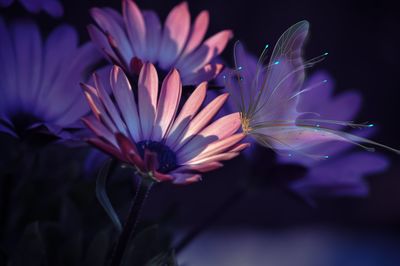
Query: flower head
x=137 y=36
x=53 y=7
x=149 y=133
x=39 y=88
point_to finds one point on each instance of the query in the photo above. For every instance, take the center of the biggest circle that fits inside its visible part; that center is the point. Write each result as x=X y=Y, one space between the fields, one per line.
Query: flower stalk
x=142 y=192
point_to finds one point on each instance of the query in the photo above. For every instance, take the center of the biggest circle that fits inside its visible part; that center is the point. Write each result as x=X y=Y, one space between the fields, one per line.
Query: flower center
x=165 y=156
x=245 y=124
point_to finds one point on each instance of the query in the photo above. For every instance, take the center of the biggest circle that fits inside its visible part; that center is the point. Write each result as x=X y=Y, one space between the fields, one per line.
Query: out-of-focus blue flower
x=343 y=172
x=52 y=7
x=39 y=88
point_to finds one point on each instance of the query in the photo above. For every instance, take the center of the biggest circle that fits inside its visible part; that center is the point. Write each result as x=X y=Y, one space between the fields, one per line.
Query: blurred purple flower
x=52 y=7
x=136 y=36
x=150 y=134
x=39 y=88
x=342 y=174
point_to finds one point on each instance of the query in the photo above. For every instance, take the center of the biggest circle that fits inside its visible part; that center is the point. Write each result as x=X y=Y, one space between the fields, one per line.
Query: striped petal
x=153 y=36
x=126 y=102
x=201 y=119
x=170 y=96
x=188 y=111
x=175 y=34
x=216 y=148
x=216 y=158
x=109 y=105
x=212 y=47
x=219 y=130
x=202 y=168
x=148 y=90
x=198 y=32
x=135 y=27
x=185 y=178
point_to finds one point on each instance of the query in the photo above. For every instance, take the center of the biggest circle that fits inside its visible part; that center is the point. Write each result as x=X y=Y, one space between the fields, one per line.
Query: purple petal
x=175 y=34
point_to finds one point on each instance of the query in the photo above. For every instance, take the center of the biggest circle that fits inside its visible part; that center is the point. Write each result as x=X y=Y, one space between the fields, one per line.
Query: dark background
x=363 y=40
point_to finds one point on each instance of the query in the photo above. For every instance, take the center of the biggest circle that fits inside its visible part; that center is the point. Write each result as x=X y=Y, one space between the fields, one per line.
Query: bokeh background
x=269 y=226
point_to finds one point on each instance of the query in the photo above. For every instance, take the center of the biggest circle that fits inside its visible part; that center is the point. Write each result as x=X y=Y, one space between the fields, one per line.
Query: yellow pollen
x=245 y=124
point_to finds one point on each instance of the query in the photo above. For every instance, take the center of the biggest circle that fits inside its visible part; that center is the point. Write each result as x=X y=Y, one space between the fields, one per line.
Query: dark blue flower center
x=21 y=124
x=165 y=156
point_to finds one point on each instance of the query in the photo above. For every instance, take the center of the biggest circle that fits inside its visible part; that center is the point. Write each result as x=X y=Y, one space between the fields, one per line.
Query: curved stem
x=213 y=217
x=142 y=192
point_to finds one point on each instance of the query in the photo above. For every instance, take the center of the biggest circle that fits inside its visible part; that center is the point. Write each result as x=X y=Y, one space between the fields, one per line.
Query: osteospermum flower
x=267 y=99
x=52 y=7
x=39 y=87
x=147 y=132
x=137 y=36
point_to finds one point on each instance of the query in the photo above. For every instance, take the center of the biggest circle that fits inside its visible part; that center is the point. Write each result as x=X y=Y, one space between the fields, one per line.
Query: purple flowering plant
x=126 y=97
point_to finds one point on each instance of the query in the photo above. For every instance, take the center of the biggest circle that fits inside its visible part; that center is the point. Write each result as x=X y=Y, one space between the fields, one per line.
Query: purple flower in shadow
x=137 y=36
x=52 y=7
x=39 y=88
x=343 y=172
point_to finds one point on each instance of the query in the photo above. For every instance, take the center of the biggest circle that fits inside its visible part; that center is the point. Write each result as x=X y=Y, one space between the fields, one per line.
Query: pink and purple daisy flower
x=136 y=36
x=150 y=134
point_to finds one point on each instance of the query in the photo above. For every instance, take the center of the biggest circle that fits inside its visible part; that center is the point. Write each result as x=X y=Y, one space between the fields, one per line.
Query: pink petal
x=135 y=27
x=208 y=72
x=126 y=102
x=185 y=179
x=218 y=147
x=162 y=177
x=97 y=108
x=129 y=150
x=100 y=40
x=175 y=34
x=109 y=25
x=107 y=148
x=216 y=158
x=201 y=119
x=109 y=105
x=207 y=51
x=168 y=103
x=188 y=111
x=153 y=35
x=240 y=147
x=202 y=168
x=219 y=130
x=198 y=32
x=148 y=90
x=99 y=129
